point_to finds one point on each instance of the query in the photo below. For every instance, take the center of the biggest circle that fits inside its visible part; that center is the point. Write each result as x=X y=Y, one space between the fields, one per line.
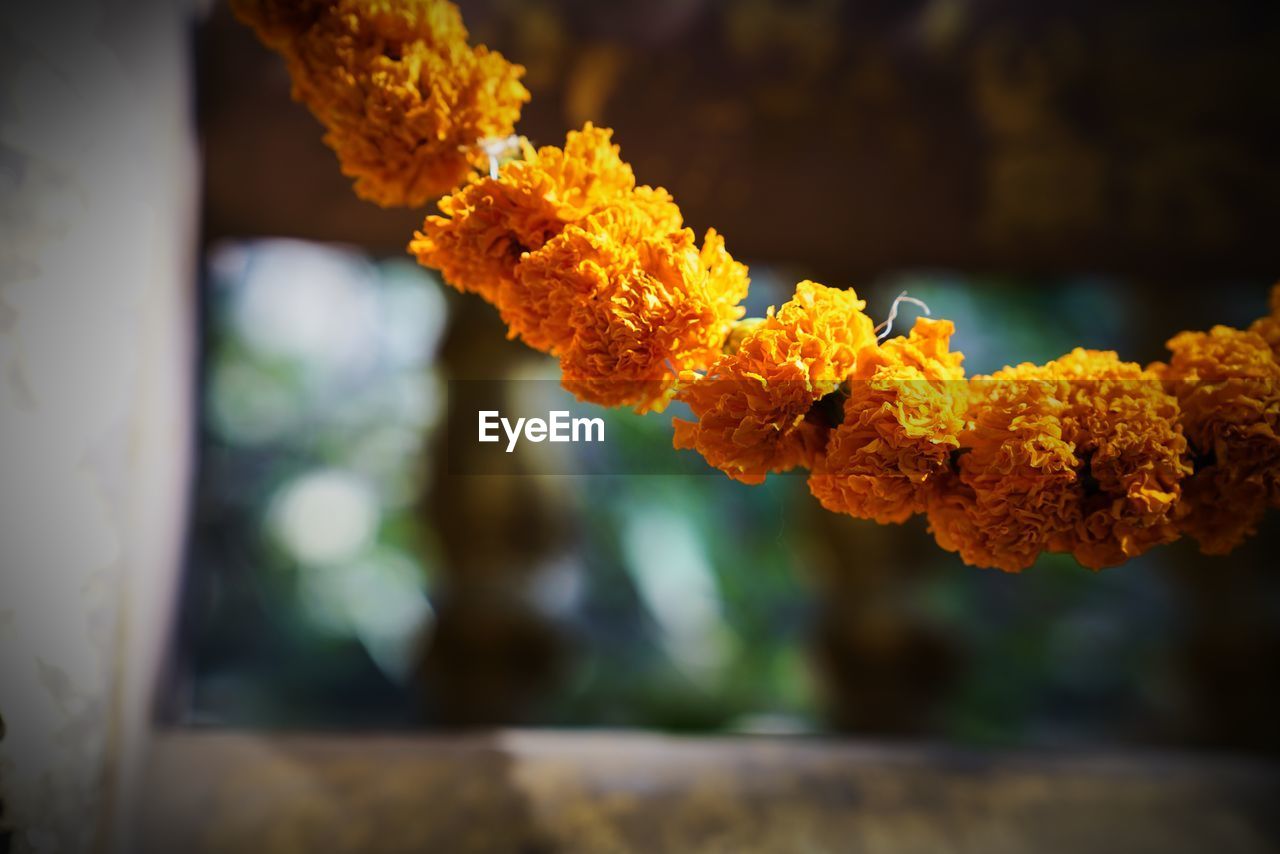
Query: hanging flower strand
x=1087 y=454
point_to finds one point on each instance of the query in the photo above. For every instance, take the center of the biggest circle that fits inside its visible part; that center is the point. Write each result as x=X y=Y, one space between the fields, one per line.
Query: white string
x=497 y=147
x=883 y=330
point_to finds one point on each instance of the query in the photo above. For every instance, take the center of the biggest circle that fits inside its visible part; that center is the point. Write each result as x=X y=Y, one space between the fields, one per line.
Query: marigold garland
x=1086 y=454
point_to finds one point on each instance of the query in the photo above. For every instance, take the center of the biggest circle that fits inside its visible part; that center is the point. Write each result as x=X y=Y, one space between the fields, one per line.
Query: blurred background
x=1046 y=175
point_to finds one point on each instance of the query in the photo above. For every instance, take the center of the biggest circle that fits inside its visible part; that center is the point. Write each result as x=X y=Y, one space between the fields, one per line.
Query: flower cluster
x=755 y=407
x=402 y=96
x=1227 y=383
x=902 y=422
x=584 y=264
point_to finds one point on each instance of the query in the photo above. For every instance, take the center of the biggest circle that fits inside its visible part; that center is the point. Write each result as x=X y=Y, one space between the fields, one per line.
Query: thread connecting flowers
x=1086 y=455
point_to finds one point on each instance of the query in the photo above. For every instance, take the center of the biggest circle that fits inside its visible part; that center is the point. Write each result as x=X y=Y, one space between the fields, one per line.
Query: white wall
x=97 y=191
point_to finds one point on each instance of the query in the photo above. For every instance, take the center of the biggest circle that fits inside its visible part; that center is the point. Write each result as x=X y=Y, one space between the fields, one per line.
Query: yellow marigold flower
x=485 y=227
x=1133 y=458
x=902 y=421
x=1269 y=327
x=751 y=407
x=1227 y=382
x=402 y=96
x=1014 y=488
x=661 y=308
x=536 y=303
x=1102 y=481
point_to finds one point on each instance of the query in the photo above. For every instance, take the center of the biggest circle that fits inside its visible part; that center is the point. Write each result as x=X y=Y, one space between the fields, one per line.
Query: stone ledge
x=606 y=791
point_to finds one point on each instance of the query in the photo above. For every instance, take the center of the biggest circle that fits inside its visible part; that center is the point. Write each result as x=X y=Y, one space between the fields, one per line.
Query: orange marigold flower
x=657 y=309
x=1102 y=481
x=1015 y=485
x=752 y=406
x=1133 y=458
x=402 y=96
x=485 y=227
x=1227 y=382
x=537 y=301
x=902 y=421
